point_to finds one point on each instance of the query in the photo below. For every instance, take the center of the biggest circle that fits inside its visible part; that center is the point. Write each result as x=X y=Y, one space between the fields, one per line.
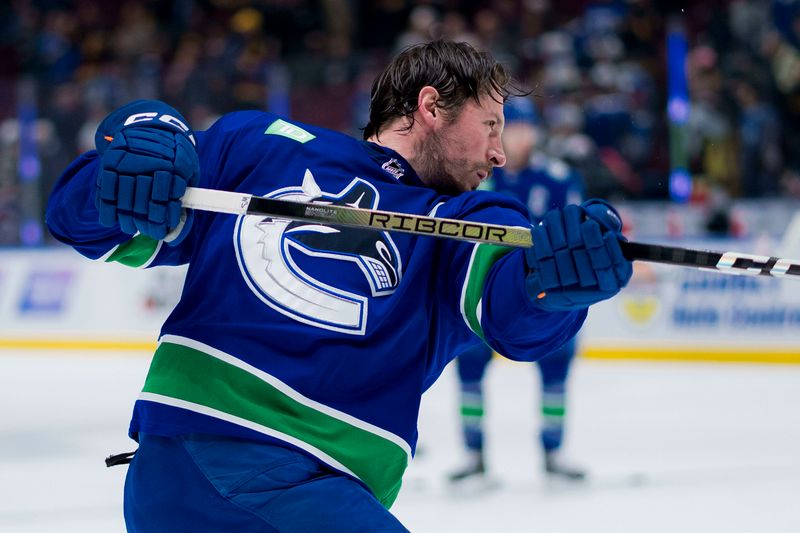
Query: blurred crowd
x=597 y=71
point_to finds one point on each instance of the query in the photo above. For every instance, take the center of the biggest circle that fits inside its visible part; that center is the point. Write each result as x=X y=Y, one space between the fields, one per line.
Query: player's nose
x=497 y=156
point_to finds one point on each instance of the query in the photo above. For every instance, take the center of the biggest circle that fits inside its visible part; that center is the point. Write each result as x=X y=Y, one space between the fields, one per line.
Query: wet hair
x=456 y=69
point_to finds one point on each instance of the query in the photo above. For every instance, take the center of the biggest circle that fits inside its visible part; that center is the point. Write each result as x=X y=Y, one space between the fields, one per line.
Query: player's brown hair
x=456 y=69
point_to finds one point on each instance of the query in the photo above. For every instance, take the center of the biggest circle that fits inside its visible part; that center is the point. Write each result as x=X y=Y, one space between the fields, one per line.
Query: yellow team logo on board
x=640 y=303
x=640 y=310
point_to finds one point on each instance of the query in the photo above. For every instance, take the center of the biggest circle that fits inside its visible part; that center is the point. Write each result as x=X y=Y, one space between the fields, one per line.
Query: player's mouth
x=481 y=175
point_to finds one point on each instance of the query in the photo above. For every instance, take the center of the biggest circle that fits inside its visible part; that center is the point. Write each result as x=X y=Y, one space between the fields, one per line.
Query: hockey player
x=542 y=183
x=284 y=392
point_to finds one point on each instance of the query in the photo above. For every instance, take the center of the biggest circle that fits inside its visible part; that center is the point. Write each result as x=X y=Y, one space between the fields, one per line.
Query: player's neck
x=400 y=140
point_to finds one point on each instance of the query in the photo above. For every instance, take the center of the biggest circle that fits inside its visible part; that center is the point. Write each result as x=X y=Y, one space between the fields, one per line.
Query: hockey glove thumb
x=147 y=159
x=576 y=259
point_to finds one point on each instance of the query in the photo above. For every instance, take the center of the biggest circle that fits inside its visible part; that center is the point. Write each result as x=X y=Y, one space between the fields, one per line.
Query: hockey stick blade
x=726 y=262
x=517 y=236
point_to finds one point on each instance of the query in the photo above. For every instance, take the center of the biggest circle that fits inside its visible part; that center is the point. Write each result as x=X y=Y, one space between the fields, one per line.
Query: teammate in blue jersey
x=284 y=392
x=542 y=183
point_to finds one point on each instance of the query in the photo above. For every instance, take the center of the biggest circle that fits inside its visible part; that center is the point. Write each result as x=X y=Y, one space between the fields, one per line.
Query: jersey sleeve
x=510 y=322
x=488 y=290
x=73 y=219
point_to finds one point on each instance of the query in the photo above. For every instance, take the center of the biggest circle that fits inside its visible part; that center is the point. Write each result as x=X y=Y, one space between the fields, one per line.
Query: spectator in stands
x=214 y=57
x=759 y=132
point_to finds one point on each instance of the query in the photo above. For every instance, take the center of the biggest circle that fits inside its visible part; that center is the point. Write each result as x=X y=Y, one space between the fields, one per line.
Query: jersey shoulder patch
x=289 y=130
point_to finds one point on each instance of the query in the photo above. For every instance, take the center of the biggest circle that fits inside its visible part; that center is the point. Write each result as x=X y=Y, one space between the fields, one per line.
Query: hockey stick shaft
x=247 y=204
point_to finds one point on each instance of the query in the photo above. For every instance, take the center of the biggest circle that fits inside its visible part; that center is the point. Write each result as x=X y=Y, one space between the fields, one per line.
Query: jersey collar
x=392 y=164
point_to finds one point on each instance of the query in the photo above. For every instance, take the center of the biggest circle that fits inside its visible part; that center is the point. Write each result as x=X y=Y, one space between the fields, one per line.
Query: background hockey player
x=541 y=183
x=284 y=393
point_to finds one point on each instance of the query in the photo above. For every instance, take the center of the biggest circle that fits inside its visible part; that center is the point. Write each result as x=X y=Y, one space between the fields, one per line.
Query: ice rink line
x=670 y=446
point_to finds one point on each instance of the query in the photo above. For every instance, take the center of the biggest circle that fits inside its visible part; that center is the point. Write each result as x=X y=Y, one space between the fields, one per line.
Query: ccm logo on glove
x=166 y=119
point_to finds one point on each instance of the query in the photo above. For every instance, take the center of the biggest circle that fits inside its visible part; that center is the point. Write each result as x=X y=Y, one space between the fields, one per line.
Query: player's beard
x=434 y=167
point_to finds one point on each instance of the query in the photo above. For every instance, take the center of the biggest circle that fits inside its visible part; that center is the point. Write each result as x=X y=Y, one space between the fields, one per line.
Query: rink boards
x=55 y=299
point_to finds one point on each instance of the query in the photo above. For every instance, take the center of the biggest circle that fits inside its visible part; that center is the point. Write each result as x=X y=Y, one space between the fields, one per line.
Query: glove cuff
x=603 y=213
x=179 y=232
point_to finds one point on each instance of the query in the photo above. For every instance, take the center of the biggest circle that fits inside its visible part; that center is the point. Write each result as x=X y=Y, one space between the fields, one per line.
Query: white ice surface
x=670 y=448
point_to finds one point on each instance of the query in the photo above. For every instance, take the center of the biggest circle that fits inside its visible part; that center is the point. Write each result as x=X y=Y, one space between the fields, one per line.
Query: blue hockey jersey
x=316 y=337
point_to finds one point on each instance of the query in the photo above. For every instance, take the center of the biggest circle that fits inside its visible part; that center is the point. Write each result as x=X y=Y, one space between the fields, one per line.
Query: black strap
x=120 y=458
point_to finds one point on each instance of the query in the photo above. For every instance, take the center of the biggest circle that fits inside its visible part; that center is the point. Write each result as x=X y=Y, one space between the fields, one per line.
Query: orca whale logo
x=270 y=251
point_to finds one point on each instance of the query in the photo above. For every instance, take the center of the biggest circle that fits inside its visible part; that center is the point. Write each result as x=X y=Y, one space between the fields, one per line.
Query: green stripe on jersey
x=136 y=252
x=483 y=258
x=471 y=411
x=553 y=410
x=222 y=386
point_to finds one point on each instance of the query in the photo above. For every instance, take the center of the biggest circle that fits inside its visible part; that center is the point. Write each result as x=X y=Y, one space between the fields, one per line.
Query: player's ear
x=427 y=100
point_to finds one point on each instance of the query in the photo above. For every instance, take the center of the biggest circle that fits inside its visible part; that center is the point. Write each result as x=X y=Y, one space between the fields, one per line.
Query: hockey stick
x=246 y=204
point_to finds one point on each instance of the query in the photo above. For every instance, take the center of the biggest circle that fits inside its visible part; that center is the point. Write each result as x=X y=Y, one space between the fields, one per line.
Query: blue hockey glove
x=576 y=259
x=147 y=159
